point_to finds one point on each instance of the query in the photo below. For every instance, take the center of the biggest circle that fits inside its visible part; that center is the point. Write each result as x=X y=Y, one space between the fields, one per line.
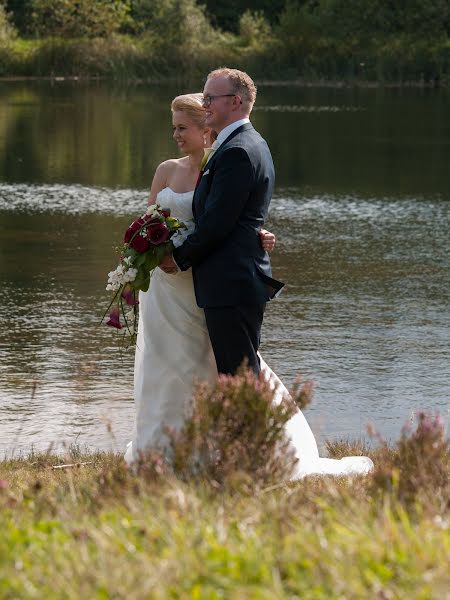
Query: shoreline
x=298 y=82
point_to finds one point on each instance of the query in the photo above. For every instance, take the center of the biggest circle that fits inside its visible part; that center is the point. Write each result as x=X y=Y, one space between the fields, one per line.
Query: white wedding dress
x=173 y=351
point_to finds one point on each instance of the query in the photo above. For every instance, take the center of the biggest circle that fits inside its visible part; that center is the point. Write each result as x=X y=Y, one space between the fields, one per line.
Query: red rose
x=158 y=234
x=149 y=220
x=165 y=212
x=140 y=243
x=132 y=229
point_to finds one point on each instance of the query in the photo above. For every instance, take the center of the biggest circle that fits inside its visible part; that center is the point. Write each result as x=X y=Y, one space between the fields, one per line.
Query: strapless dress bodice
x=180 y=203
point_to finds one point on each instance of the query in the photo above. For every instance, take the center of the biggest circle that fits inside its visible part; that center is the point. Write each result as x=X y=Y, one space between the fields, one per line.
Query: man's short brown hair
x=241 y=84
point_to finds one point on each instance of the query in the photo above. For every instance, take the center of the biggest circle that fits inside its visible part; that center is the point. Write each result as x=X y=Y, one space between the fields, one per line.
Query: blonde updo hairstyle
x=191 y=104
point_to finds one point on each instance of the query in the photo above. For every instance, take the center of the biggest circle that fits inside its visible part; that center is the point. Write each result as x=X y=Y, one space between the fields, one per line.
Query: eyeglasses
x=208 y=99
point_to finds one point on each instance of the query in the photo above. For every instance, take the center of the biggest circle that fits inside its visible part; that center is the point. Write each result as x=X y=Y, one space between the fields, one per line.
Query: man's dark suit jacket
x=230 y=206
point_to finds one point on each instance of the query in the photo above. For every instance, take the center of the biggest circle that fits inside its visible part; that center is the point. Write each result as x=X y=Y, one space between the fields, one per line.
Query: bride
x=173 y=347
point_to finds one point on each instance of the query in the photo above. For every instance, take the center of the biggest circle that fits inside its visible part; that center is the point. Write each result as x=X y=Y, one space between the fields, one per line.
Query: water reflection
x=334 y=140
x=365 y=312
x=310 y=109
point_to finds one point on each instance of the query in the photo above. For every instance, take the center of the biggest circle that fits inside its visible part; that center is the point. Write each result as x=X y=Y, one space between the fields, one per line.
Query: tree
x=20 y=14
x=78 y=18
x=7 y=31
x=226 y=14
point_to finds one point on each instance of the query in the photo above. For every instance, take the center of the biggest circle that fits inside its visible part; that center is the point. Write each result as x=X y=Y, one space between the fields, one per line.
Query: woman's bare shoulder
x=164 y=175
x=170 y=165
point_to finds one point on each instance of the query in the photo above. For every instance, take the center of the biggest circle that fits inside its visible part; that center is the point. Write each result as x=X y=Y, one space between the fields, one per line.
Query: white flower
x=122 y=275
x=152 y=210
x=130 y=275
x=113 y=287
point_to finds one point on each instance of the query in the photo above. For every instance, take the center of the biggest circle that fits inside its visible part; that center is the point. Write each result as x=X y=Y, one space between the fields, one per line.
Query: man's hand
x=168 y=265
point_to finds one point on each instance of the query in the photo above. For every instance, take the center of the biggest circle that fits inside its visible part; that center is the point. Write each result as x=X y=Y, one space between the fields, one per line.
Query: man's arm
x=268 y=241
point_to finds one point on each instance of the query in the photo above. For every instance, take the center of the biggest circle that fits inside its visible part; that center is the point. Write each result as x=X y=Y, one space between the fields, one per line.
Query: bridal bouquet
x=147 y=240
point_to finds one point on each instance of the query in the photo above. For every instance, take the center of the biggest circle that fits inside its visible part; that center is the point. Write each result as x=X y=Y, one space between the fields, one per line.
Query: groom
x=231 y=271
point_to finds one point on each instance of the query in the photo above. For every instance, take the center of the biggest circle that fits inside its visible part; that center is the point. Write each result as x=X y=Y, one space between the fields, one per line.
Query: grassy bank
x=397 y=60
x=96 y=530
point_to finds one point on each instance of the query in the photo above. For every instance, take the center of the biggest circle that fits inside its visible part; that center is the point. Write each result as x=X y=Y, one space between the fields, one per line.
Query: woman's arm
x=160 y=180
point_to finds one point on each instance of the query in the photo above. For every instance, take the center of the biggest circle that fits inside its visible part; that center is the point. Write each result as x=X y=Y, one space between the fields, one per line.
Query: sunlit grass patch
x=83 y=525
x=319 y=538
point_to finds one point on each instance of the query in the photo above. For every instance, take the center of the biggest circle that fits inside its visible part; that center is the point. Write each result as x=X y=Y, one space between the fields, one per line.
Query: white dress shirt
x=229 y=129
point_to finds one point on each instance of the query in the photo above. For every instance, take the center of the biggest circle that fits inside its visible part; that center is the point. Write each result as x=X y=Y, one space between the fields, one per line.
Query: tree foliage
x=340 y=18
x=254 y=28
x=20 y=14
x=226 y=14
x=335 y=18
x=334 y=39
x=178 y=32
x=76 y=19
x=7 y=31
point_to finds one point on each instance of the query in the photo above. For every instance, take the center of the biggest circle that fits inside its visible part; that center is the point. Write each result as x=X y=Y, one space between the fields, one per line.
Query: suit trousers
x=235 y=333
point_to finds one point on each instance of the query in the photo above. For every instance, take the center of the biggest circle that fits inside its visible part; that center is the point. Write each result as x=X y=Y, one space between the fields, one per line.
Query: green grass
x=100 y=531
x=219 y=521
x=128 y=58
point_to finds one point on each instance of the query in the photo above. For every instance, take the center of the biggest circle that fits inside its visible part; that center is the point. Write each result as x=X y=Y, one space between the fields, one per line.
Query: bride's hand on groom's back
x=268 y=240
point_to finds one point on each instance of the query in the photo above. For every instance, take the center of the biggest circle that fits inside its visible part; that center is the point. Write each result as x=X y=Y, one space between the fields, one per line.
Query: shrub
x=7 y=36
x=181 y=39
x=254 y=29
x=419 y=466
x=84 y=18
x=226 y=13
x=7 y=31
x=404 y=57
x=235 y=430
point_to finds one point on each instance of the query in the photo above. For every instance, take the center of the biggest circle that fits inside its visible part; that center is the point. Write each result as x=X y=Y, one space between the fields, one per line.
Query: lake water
x=361 y=212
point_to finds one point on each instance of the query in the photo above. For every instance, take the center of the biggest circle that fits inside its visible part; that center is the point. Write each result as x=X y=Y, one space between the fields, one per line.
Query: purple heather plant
x=234 y=428
x=418 y=464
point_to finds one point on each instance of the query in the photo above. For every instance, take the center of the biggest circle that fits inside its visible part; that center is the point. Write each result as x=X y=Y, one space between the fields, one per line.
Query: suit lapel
x=209 y=163
x=240 y=129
